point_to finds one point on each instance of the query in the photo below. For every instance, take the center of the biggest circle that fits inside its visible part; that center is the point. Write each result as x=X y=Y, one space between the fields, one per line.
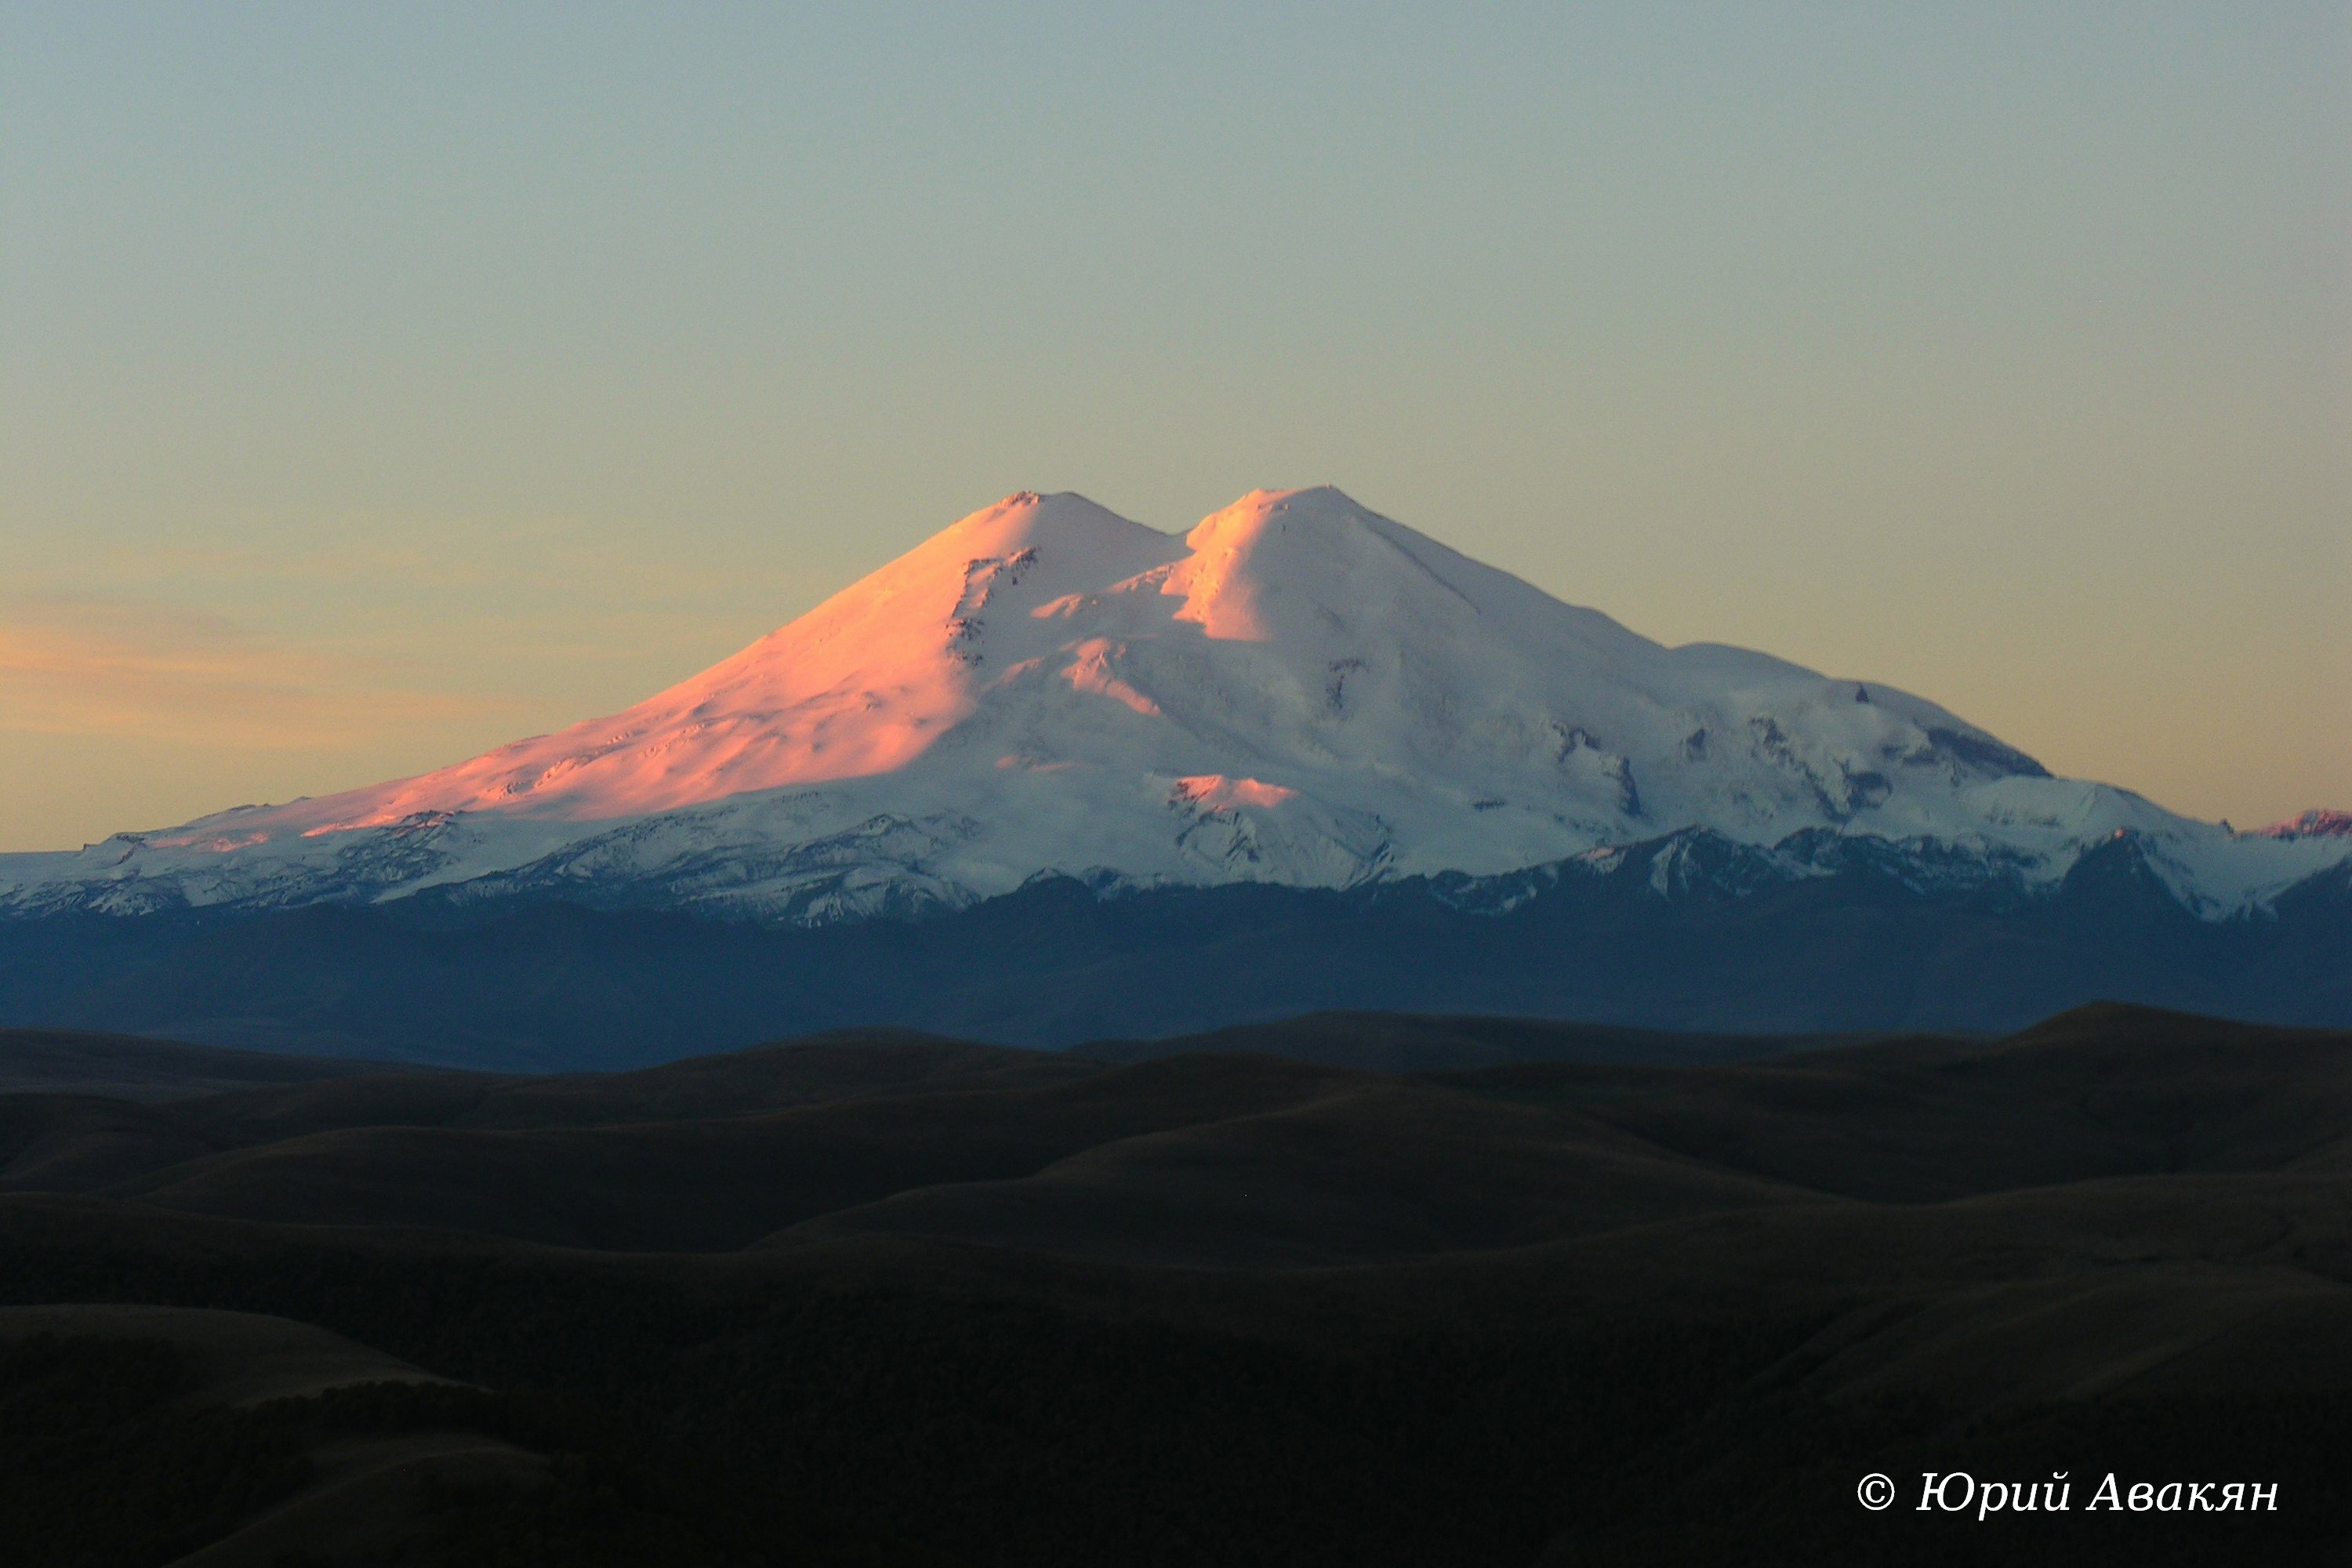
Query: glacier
x=1297 y=692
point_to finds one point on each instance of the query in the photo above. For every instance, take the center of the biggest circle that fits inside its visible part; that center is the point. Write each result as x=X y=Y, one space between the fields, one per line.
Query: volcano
x=1297 y=692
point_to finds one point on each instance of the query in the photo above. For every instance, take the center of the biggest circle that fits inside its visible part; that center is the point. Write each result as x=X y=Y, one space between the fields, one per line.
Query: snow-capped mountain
x=1299 y=690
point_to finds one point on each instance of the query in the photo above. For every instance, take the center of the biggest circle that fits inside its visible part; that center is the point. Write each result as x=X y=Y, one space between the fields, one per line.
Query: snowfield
x=1299 y=690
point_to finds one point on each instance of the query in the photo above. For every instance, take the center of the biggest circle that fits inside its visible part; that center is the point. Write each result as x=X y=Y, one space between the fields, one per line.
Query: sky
x=380 y=384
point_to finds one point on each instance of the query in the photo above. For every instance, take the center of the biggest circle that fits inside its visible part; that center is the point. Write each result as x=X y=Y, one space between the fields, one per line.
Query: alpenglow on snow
x=1298 y=692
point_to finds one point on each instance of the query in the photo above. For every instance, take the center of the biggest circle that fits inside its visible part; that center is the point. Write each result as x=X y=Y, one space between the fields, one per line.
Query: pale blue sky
x=377 y=384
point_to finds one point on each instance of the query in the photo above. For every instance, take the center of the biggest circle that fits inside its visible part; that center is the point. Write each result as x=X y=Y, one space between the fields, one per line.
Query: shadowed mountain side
x=1866 y=1274
x=817 y=1070
x=1232 y=1160
x=234 y=1358
x=225 y=1440
x=843 y=1065
x=1381 y=1169
x=221 y=1402
x=715 y=1184
x=1405 y=1042
x=557 y=987
x=2188 y=1327
x=129 y=1067
x=61 y=1143
x=2102 y=1091
x=1393 y=1168
x=72 y=1143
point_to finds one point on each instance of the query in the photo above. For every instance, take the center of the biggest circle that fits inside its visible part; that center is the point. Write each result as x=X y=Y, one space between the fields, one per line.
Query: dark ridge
x=551 y=987
x=1404 y=1042
x=1331 y=1139
x=1983 y=752
x=129 y=1067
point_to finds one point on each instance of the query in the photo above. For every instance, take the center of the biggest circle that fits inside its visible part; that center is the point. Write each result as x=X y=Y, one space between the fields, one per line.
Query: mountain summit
x=1299 y=690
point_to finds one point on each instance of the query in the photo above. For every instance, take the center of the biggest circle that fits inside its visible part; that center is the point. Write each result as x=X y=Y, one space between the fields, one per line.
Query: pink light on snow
x=1221 y=595
x=869 y=681
x=863 y=684
x=1216 y=792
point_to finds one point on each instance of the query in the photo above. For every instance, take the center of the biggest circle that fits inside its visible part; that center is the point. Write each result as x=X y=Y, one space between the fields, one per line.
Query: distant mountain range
x=1298 y=694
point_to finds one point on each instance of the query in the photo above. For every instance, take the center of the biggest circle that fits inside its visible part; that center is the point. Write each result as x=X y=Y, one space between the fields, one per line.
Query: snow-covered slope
x=1299 y=690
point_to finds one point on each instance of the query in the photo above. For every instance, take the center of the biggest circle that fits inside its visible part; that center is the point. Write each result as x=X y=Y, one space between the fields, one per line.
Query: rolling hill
x=893 y=1296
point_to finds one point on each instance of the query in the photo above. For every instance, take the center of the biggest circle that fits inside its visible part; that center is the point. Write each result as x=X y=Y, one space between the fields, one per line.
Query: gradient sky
x=378 y=384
